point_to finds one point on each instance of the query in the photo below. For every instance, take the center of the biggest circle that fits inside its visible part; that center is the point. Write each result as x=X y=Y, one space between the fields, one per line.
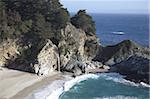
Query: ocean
x=105 y=85
x=134 y=27
x=113 y=85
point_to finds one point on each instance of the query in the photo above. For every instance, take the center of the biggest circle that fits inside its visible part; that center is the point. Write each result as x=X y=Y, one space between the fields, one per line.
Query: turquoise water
x=106 y=86
x=113 y=86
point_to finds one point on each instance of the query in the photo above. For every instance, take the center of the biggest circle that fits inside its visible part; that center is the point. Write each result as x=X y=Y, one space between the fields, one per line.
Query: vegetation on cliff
x=31 y=22
x=84 y=21
x=39 y=18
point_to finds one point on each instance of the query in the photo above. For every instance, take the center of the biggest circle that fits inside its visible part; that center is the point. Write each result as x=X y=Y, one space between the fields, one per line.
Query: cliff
x=113 y=54
x=74 y=53
x=127 y=58
x=41 y=37
x=8 y=50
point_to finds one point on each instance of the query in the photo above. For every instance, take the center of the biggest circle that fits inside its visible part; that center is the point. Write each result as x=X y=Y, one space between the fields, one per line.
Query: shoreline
x=17 y=84
x=28 y=91
x=71 y=83
x=50 y=86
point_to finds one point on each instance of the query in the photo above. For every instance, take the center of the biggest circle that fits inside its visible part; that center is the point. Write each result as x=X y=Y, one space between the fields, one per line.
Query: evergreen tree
x=84 y=21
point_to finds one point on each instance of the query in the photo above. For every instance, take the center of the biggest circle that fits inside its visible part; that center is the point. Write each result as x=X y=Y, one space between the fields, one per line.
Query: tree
x=54 y=5
x=41 y=27
x=84 y=21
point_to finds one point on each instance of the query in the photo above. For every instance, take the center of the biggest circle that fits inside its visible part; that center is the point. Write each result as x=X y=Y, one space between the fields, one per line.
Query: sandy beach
x=16 y=84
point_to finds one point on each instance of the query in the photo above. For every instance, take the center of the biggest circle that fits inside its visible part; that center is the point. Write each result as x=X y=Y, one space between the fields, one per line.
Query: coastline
x=17 y=84
x=115 y=77
x=45 y=87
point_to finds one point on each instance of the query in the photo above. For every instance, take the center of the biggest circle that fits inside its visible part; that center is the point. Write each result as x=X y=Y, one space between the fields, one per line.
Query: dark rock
x=136 y=68
x=111 y=55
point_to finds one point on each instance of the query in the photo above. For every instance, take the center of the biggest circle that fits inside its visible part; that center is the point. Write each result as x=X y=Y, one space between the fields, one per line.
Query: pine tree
x=84 y=21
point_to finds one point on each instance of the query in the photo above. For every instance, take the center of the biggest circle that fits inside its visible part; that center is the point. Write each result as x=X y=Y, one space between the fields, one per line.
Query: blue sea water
x=109 y=86
x=106 y=86
x=135 y=27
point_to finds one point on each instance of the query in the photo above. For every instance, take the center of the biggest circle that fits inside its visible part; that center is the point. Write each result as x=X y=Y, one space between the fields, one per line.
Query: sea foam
x=117 y=97
x=58 y=87
x=69 y=84
x=116 y=77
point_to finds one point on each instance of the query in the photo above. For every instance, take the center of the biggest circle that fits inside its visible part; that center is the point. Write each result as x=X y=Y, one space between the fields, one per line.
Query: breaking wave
x=69 y=84
x=57 y=88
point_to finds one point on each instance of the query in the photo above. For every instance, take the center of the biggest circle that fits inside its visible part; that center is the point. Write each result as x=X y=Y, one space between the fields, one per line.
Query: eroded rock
x=135 y=68
x=48 y=59
x=111 y=55
x=8 y=50
x=76 y=48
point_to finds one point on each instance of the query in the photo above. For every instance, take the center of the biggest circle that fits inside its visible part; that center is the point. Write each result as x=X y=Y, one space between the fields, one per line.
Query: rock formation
x=136 y=68
x=128 y=59
x=76 y=49
x=45 y=61
x=74 y=53
x=48 y=59
x=8 y=50
x=113 y=54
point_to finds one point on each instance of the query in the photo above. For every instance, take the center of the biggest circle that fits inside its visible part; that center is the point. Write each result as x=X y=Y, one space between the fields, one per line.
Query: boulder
x=48 y=59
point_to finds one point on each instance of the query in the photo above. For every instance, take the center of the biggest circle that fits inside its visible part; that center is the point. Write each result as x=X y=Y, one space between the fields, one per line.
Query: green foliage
x=84 y=21
x=41 y=27
x=1 y=8
x=54 y=5
x=33 y=18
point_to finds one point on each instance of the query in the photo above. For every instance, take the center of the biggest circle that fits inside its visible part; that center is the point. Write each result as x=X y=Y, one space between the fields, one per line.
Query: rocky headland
x=46 y=38
x=127 y=58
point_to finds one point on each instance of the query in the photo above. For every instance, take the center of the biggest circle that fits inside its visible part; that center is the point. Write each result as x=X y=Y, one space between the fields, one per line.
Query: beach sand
x=15 y=84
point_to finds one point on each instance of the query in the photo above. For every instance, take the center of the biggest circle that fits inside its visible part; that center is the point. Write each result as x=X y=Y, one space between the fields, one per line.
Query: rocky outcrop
x=128 y=59
x=111 y=55
x=76 y=49
x=42 y=61
x=8 y=50
x=48 y=59
x=136 y=68
x=74 y=53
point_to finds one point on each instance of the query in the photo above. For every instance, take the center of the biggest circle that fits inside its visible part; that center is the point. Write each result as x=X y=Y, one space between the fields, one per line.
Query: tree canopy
x=84 y=21
x=39 y=19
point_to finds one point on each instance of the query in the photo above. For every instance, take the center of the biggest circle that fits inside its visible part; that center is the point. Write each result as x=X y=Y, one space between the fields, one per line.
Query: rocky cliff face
x=128 y=59
x=136 y=68
x=8 y=50
x=76 y=49
x=111 y=55
x=74 y=53
x=48 y=59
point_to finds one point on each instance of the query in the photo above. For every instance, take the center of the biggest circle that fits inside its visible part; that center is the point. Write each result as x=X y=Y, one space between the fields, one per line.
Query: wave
x=116 y=77
x=69 y=84
x=57 y=88
x=117 y=97
x=145 y=85
x=44 y=92
x=78 y=79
